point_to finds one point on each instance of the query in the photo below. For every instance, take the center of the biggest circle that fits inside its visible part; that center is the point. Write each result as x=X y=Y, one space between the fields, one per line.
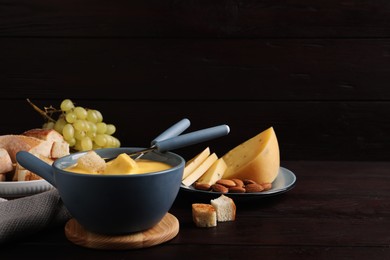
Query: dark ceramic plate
x=284 y=182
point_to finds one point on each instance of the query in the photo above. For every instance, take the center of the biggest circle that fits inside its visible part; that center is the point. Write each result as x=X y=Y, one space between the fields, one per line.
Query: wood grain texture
x=317 y=72
x=213 y=69
x=164 y=231
x=353 y=130
x=222 y=18
x=338 y=210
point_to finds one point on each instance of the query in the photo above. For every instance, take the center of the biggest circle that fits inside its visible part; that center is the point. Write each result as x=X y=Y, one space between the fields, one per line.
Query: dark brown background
x=318 y=72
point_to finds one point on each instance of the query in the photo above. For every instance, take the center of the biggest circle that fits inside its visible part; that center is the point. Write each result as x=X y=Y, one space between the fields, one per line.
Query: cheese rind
x=214 y=173
x=257 y=159
x=199 y=171
x=194 y=163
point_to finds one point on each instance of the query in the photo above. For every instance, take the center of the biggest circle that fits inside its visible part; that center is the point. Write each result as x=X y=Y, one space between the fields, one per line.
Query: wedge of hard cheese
x=195 y=162
x=214 y=173
x=199 y=171
x=257 y=159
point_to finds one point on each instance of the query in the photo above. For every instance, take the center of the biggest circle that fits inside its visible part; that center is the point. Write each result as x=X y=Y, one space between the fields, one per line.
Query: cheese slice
x=257 y=159
x=203 y=167
x=214 y=173
x=194 y=163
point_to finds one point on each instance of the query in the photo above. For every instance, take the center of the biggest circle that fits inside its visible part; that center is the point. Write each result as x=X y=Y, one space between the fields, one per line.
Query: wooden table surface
x=336 y=210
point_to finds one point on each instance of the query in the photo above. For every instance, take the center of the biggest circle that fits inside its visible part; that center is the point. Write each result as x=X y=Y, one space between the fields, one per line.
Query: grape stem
x=40 y=111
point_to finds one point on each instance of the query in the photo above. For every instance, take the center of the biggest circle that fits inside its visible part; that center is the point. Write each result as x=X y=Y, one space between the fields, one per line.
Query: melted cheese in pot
x=123 y=164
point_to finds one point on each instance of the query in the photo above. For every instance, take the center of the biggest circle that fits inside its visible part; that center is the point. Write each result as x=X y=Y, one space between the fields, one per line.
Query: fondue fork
x=172 y=131
x=180 y=141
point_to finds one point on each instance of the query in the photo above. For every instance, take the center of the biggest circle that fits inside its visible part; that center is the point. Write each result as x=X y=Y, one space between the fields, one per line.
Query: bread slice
x=22 y=174
x=46 y=144
x=59 y=147
x=16 y=143
x=204 y=215
x=44 y=134
x=91 y=162
x=225 y=208
x=5 y=161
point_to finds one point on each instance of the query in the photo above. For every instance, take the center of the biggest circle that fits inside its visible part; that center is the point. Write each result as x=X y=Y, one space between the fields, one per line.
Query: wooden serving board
x=164 y=231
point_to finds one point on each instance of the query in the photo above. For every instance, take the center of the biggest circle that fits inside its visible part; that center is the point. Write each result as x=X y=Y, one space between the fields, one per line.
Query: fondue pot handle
x=172 y=131
x=192 y=138
x=36 y=165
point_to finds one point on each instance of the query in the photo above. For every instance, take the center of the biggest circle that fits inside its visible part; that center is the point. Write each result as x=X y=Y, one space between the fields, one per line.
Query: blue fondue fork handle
x=192 y=138
x=172 y=131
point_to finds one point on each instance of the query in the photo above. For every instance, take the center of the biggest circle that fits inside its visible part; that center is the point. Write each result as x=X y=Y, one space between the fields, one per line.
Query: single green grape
x=86 y=144
x=68 y=132
x=79 y=135
x=80 y=112
x=117 y=143
x=101 y=128
x=71 y=142
x=66 y=105
x=59 y=124
x=110 y=129
x=99 y=116
x=92 y=116
x=81 y=125
x=92 y=127
x=101 y=140
x=70 y=116
x=91 y=135
x=48 y=125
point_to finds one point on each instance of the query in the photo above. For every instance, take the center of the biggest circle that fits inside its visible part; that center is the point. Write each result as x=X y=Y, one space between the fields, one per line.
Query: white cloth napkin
x=28 y=215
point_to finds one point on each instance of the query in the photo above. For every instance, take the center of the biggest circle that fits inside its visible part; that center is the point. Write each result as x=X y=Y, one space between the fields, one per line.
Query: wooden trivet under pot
x=164 y=231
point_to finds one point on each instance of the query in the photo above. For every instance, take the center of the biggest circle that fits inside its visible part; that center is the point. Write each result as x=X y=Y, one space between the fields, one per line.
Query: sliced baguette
x=59 y=147
x=22 y=174
x=225 y=208
x=5 y=162
x=91 y=162
x=204 y=215
x=16 y=143
x=44 y=134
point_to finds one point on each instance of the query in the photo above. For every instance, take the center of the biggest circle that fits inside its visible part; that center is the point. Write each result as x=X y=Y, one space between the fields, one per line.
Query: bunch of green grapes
x=83 y=128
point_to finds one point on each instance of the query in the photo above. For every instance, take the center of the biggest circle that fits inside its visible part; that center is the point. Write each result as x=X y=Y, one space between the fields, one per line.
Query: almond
x=202 y=186
x=237 y=189
x=219 y=188
x=266 y=186
x=248 y=181
x=253 y=187
x=239 y=183
x=226 y=182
